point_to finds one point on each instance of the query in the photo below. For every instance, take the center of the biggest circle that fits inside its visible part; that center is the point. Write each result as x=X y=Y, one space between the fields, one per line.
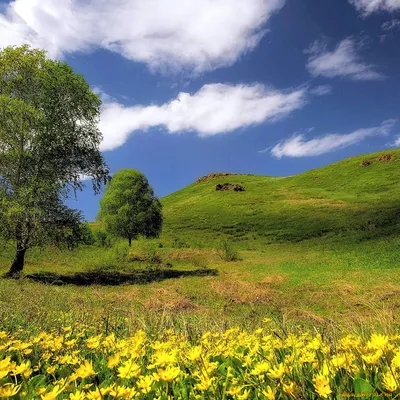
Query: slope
x=357 y=197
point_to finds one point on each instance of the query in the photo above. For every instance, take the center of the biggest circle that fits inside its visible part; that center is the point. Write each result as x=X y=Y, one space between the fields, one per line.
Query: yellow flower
x=113 y=361
x=9 y=390
x=396 y=361
x=145 y=383
x=85 y=370
x=269 y=393
x=23 y=369
x=390 y=382
x=78 y=395
x=205 y=383
x=378 y=342
x=129 y=369
x=321 y=384
x=290 y=389
x=194 y=353
x=372 y=358
x=277 y=372
x=5 y=367
x=260 y=368
x=244 y=395
x=94 y=342
x=169 y=374
x=53 y=394
x=51 y=370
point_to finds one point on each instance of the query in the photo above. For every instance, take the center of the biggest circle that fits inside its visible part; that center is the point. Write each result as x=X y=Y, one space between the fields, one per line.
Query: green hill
x=359 y=196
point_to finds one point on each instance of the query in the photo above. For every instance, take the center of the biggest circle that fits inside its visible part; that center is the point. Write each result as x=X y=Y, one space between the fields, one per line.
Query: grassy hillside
x=320 y=249
x=339 y=199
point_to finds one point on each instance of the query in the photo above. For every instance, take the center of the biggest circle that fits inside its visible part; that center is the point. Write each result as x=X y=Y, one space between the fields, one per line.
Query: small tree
x=49 y=138
x=129 y=207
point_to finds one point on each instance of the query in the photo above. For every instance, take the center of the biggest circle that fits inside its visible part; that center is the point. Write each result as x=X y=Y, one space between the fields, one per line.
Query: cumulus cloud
x=298 y=146
x=164 y=34
x=367 y=7
x=396 y=142
x=342 y=61
x=214 y=109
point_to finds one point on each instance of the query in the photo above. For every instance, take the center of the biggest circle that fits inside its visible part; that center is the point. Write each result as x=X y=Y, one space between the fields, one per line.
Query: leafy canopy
x=129 y=207
x=49 y=138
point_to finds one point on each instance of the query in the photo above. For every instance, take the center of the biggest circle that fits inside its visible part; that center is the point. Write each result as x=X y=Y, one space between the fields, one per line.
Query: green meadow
x=320 y=249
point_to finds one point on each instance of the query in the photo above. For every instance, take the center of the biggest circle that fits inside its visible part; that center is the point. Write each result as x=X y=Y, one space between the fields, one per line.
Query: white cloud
x=393 y=24
x=164 y=34
x=396 y=143
x=321 y=90
x=214 y=109
x=367 y=7
x=342 y=61
x=298 y=146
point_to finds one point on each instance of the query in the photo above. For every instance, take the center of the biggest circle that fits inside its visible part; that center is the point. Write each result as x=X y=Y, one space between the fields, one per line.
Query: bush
x=102 y=239
x=227 y=251
x=149 y=252
x=120 y=252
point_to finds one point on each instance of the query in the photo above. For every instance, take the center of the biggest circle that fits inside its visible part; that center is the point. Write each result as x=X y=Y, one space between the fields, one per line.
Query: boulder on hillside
x=230 y=186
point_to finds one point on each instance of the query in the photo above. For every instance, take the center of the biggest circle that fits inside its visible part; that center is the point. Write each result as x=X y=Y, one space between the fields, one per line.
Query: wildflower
x=145 y=383
x=85 y=370
x=169 y=374
x=51 y=370
x=389 y=382
x=277 y=372
x=78 y=395
x=205 y=383
x=321 y=384
x=194 y=353
x=378 y=342
x=129 y=369
x=260 y=368
x=269 y=393
x=113 y=361
x=290 y=389
x=23 y=369
x=52 y=395
x=9 y=390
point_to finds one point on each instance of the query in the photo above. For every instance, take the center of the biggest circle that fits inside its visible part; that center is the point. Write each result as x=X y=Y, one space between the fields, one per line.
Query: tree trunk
x=130 y=242
x=18 y=263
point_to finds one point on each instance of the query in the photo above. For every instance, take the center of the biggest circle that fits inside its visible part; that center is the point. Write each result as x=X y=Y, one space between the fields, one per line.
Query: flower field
x=74 y=362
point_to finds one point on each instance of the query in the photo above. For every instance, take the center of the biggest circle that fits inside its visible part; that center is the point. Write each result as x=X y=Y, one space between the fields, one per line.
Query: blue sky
x=269 y=87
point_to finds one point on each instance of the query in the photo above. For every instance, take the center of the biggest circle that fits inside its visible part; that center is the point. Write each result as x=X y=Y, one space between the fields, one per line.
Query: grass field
x=321 y=248
x=245 y=295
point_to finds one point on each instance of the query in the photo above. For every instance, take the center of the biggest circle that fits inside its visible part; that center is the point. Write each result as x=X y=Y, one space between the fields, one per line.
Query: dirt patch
x=229 y=187
x=365 y=163
x=239 y=292
x=386 y=157
x=171 y=300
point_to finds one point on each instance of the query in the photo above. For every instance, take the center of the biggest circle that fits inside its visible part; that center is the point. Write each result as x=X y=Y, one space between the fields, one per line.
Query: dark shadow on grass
x=113 y=278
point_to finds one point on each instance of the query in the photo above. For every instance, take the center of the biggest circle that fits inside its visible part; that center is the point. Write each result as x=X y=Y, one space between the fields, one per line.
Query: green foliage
x=129 y=207
x=149 y=252
x=102 y=239
x=49 y=138
x=227 y=251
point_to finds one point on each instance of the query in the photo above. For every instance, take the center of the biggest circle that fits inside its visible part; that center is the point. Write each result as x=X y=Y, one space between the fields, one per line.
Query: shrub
x=149 y=252
x=120 y=252
x=227 y=251
x=102 y=239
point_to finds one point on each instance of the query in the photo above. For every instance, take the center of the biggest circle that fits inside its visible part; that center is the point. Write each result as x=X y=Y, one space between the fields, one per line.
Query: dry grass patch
x=240 y=292
x=170 y=300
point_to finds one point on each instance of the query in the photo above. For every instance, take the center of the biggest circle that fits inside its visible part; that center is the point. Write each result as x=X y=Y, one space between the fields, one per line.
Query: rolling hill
x=358 y=197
